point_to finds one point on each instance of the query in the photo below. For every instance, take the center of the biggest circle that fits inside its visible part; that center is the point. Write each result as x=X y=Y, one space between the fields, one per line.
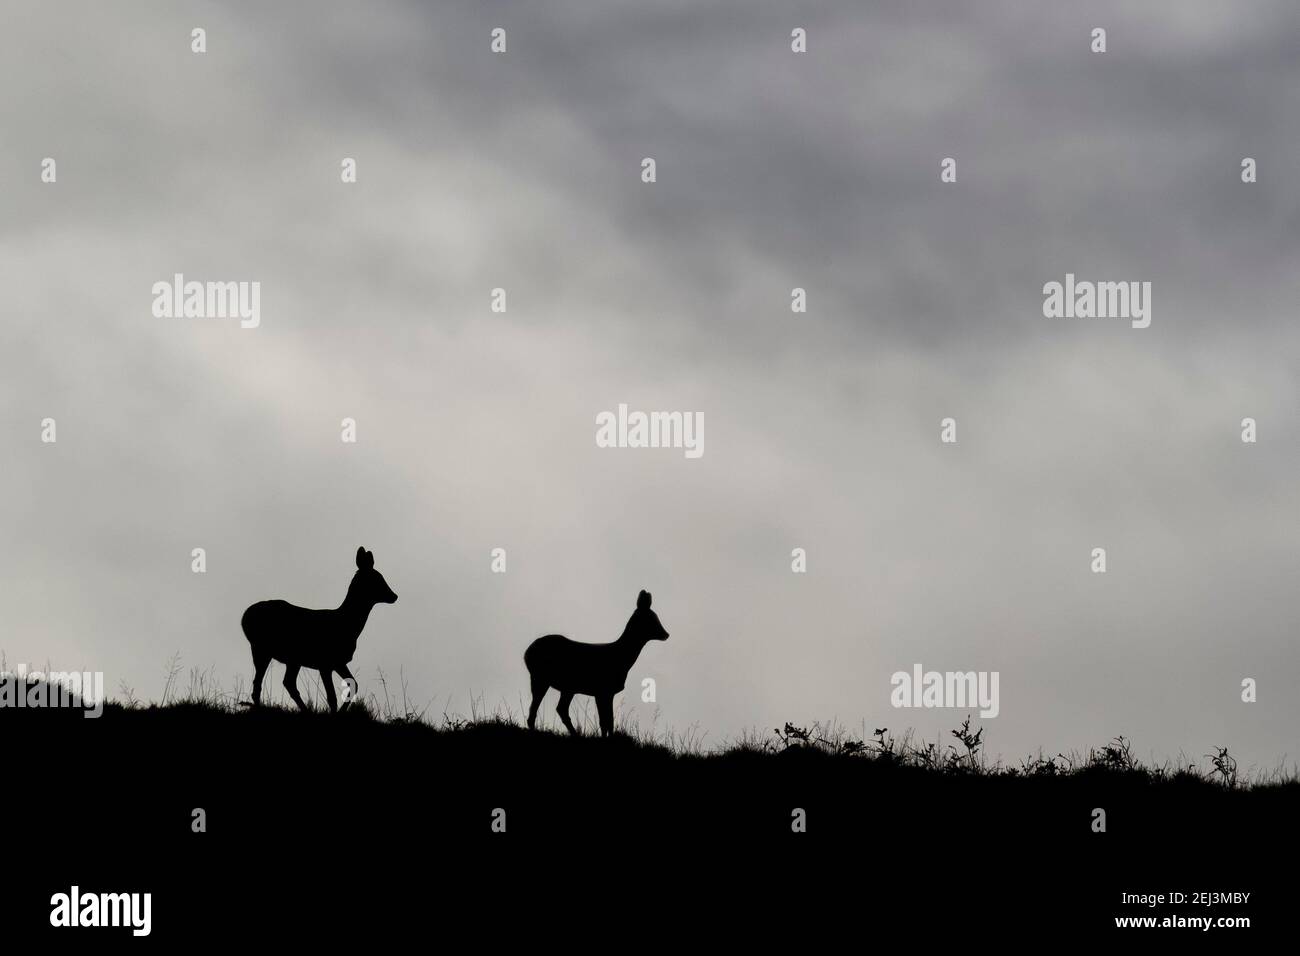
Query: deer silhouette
x=599 y=670
x=323 y=640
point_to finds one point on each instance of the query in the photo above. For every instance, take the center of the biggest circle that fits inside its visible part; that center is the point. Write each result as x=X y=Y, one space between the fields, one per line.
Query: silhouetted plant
x=453 y=723
x=1225 y=766
x=792 y=735
x=928 y=756
x=1040 y=766
x=173 y=671
x=882 y=748
x=1116 y=755
x=403 y=713
x=128 y=695
x=971 y=741
x=829 y=738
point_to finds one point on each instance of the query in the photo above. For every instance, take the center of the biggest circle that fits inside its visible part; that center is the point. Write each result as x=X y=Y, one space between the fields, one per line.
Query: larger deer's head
x=644 y=622
x=371 y=583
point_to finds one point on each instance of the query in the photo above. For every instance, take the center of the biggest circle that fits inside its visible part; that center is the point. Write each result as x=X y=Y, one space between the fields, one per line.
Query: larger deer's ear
x=643 y=600
x=365 y=559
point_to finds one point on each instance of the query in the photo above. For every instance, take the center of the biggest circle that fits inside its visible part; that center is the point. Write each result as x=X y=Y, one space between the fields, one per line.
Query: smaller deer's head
x=644 y=623
x=369 y=583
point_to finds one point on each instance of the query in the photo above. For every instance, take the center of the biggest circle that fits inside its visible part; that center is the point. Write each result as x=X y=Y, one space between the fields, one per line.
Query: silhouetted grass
x=389 y=705
x=442 y=775
x=399 y=798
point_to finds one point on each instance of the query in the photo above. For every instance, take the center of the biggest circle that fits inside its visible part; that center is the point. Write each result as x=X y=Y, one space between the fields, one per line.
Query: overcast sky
x=476 y=430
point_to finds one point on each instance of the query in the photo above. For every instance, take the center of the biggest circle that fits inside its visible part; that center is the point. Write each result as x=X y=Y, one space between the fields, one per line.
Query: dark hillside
x=293 y=798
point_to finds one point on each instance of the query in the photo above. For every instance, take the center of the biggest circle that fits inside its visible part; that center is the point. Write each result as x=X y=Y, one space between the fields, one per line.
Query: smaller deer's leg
x=260 y=664
x=351 y=682
x=605 y=708
x=291 y=683
x=539 y=691
x=327 y=678
x=563 y=709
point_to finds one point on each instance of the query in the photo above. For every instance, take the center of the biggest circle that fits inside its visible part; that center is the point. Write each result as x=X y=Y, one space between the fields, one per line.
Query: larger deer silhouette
x=324 y=640
x=600 y=670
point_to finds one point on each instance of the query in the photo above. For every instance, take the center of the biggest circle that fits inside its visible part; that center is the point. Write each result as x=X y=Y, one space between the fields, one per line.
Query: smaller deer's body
x=599 y=670
x=323 y=640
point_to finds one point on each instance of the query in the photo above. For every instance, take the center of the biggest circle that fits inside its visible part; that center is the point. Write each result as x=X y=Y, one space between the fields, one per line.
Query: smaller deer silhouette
x=599 y=670
x=324 y=640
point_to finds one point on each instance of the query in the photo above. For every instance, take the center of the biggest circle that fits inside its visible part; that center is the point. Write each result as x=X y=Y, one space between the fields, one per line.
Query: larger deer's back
x=574 y=667
x=298 y=635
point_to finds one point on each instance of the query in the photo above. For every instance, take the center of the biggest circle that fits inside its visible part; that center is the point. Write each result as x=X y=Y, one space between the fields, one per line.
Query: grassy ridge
x=378 y=810
x=276 y=768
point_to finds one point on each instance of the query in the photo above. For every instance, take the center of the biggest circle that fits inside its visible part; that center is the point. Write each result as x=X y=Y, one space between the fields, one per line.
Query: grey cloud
x=775 y=171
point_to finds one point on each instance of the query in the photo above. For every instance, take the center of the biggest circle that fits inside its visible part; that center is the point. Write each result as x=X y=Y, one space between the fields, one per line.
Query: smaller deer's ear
x=365 y=559
x=643 y=600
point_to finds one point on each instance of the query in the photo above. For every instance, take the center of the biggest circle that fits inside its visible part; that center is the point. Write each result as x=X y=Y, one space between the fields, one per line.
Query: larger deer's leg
x=563 y=708
x=260 y=664
x=540 y=688
x=291 y=683
x=605 y=708
x=327 y=678
x=352 y=685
